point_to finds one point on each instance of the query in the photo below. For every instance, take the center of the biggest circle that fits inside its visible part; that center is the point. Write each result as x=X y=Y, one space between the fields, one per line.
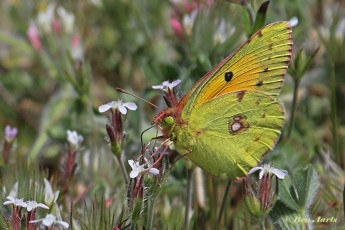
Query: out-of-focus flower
x=50 y=220
x=222 y=33
x=77 y=49
x=293 y=21
x=32 y=205
x=118 y=105
x=49 y=196
x=188 y=22
x=166 y=85
x=74 y=139
x=57 y=26
x=267 y=168
x=45 y=18
x=177 y=27
x=15 y=201
x=67 y=19
x=10 y=133
x=34 y=36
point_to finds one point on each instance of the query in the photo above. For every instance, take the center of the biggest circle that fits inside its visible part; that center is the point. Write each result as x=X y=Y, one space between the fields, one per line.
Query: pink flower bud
x=34 y=36
x=177 y=27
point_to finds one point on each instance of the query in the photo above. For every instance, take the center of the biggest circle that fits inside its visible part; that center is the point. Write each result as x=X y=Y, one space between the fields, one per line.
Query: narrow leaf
x=260 y=17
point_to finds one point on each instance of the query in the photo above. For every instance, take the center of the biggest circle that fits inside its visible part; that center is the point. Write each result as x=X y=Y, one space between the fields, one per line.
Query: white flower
x=31 y=205
x=67 y=19
x=267 y=168
x=293 y=21
x=154 y=171
x=50 y=220
x=136 y=168
x=45 y=18
x=14 y=191
x=188 y=22
x=166 y=85
x=49 y=195
x=222 y=33
x=122 y=107
x=74 y=139
x=15 y=201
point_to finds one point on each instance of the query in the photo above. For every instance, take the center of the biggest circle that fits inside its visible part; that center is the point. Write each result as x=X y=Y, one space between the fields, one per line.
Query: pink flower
x=177 y=27
x=57 y=26
x=34 y=36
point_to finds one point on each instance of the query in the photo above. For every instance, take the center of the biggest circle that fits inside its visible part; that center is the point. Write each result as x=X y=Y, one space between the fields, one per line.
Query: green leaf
x=260 y=17
x=306 y=182
x=292 y=210
x=287 y=194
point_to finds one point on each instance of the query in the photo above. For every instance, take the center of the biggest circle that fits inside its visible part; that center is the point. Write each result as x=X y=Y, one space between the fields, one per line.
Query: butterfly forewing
x=258 y=65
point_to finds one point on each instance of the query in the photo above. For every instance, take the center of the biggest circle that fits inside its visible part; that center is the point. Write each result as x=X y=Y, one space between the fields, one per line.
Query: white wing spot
x=236 y=126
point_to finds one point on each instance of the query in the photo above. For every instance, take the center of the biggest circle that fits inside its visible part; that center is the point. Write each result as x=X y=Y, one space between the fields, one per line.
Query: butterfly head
x=167 y=121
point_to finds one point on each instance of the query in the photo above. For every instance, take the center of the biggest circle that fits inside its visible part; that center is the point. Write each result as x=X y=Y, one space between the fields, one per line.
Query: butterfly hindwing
x=231 y=133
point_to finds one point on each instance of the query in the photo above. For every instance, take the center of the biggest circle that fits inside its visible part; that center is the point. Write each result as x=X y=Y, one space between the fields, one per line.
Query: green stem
x=123 y=168
x=334 y=117
x=150 y=211
x=251 y=14
x=293 y=109
x=225 y=200
x=262 y=224
x=189 y=198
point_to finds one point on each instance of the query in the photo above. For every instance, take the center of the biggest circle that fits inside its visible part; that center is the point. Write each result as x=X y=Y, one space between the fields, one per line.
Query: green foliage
x=296 y=195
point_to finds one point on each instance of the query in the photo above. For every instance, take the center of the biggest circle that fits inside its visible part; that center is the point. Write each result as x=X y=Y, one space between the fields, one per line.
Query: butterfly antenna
x=142 y=133
x=126 y=92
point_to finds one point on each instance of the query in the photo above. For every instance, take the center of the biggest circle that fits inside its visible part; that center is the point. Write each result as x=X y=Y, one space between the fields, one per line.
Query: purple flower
x=10 y=133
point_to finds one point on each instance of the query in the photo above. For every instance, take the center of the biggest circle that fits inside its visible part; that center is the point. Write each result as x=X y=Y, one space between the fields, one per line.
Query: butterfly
x=232 y=117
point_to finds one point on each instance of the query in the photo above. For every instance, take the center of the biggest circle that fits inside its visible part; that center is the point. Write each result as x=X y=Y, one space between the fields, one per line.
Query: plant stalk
x=293 y=109
x=189 y=198
x=225 y=200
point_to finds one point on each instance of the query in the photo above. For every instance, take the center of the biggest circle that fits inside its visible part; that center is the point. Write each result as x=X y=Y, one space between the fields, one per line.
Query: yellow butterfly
x=232 y=117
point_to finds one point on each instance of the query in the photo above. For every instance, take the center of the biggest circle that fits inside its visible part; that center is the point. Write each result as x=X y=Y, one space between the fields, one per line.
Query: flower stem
x=150 y=211
x=189 y=198
x=123 y=168
x=293 y=109
x=225 y=201
x=334 y=117
x=262 y=224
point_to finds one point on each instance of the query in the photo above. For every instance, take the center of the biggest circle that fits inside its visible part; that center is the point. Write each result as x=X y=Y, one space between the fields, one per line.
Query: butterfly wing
x=231 y=133
x=258 y=65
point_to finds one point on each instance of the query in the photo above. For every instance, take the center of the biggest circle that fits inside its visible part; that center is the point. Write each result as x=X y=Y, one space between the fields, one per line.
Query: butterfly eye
x=169 y=121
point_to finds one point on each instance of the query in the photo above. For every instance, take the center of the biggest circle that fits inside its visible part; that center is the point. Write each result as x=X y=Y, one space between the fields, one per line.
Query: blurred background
x=61 y=60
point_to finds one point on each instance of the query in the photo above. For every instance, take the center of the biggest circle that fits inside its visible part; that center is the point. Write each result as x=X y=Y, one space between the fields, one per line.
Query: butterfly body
x=232 y=117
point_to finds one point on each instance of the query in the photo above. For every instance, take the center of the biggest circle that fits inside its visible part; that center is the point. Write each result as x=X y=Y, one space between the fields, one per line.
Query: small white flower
x=166 y=85
x=74 y=139
x=67 y=19
x=14 y=191
x=223 y=32
x=122 y=107
x=15 y=201
x=154 y=171
x=267 y=168
x=31 y=205
x=49 y=196
x=50 y=220
x=45 y=18
x=136 y=168
x=188 y=22
x=293 y=21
